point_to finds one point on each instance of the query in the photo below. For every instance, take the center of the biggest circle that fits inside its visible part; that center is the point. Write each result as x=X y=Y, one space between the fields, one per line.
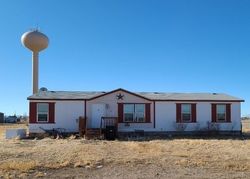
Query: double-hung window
x=134 y=113
x=221 y=112
x=186 y=112
x=42 y=112
x=129 y=113
x=140 y=112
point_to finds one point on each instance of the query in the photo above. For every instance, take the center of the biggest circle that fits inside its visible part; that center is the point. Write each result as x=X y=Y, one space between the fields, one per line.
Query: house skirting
x=164 y=134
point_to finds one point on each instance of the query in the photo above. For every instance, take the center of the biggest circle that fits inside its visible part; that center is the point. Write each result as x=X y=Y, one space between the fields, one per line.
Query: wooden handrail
x=108 y=120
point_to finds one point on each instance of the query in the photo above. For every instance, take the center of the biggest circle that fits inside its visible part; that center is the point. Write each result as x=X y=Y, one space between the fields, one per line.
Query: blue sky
x=139 y=45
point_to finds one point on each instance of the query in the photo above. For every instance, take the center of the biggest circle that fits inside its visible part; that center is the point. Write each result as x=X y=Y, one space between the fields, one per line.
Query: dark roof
x=87 y=95
x=189 y=96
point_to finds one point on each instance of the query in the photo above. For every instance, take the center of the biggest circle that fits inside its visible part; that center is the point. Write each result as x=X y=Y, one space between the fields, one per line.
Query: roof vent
x=214 y=93
x=43 y=89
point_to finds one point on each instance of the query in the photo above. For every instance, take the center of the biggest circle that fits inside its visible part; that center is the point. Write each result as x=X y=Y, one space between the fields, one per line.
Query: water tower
x=36 y=42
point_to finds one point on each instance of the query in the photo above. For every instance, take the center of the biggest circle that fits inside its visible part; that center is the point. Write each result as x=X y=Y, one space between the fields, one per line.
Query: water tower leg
x=35 y=72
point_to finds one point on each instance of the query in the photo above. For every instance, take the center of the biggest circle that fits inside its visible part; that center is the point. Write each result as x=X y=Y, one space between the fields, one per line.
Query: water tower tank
x=36 y=42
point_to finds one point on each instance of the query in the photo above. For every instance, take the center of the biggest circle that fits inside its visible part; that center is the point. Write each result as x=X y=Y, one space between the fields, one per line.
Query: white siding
x=66 y=116
x=166 y=117
x=112 y=109
x=67 y=113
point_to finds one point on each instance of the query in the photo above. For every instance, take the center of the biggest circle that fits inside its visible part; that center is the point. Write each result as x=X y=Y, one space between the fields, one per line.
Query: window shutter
x=193 y=113
x=147 y=111
x=120 y=112
x=228 y=112
x=51 y=112
x=33 y=114
x=178 y=113
x=213 y=115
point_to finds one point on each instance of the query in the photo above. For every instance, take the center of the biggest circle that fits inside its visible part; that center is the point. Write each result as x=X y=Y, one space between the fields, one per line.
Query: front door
x=98 y=111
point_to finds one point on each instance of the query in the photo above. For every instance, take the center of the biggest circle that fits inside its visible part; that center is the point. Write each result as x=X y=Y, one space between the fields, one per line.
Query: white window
x=186 y=112
x=134 y=112
x=140 y=112
x=221 y=112
x=42 y=112
x=128 y=112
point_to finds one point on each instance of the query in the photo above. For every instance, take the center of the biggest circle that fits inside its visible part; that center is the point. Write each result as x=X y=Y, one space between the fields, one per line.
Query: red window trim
x=34 y=113
x=227 y=115
x=147 y=114
x=193 y=115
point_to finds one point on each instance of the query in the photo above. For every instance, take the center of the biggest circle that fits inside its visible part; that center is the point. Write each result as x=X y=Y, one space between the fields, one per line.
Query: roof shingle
x=86 y=95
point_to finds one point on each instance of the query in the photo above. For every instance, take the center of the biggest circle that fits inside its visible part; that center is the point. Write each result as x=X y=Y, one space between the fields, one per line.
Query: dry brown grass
x=23 y=165
x=53 y=154
x=246 y=126
x=212 y=154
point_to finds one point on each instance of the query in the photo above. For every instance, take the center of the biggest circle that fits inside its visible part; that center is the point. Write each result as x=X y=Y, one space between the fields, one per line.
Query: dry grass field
x=169 y=158
x=246 y=126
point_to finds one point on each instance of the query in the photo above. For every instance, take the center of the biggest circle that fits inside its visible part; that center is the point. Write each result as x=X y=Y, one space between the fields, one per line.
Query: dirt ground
x=222 y=157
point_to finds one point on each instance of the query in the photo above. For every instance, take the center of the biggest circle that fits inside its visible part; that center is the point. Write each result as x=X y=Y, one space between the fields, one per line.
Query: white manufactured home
x=150 y=112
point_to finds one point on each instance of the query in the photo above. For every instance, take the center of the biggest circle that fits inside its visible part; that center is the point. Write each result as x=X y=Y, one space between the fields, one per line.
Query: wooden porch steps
x=108 y=128
x=93 y=133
